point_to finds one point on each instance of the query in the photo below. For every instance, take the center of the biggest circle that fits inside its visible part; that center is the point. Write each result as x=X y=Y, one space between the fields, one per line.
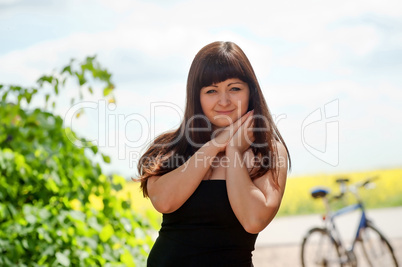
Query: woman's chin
x=216 y=126
x=223 y=122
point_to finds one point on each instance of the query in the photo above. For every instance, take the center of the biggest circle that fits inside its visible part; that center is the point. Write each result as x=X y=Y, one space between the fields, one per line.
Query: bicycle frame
x=344 y=210
x=324 y=245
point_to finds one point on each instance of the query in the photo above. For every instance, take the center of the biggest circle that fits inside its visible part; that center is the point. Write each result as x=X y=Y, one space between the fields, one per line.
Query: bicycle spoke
x=376 y=248
x=319 y=249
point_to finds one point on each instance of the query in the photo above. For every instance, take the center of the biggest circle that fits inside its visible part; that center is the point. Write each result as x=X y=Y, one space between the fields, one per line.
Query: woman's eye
x=235 y=89
x=211 y=91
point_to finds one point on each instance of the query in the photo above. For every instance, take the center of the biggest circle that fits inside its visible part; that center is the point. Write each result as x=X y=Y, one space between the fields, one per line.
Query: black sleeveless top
x=204 y=231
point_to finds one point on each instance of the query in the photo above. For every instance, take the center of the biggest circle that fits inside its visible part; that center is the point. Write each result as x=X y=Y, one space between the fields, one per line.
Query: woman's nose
x=224 y=100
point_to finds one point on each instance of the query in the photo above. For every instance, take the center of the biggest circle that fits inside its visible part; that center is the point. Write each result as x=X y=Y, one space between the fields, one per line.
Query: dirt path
x=289 y=255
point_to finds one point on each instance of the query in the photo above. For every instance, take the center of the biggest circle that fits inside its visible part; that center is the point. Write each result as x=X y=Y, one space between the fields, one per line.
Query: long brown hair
x=214 y=63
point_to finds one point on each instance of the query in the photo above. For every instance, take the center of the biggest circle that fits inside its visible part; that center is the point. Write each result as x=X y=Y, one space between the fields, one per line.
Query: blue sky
x=330 y=70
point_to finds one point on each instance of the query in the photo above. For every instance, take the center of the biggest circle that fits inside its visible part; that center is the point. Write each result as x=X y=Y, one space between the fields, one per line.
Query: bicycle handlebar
x=342 y=183
x=366 y=182
x=352 y=188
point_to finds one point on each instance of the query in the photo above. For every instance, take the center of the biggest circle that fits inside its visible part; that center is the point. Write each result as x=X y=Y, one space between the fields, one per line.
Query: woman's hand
x=222 y=137
x=244 y=137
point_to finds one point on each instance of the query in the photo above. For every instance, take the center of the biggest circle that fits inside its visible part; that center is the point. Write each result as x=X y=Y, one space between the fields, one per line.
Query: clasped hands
x=237 y=137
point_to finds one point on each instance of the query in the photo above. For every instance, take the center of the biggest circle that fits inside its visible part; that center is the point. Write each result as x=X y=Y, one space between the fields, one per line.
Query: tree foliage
x=57 y=208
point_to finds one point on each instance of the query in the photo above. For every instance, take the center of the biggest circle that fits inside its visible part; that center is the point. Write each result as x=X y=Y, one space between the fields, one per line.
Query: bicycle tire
x=319 y=248
x=376 y=248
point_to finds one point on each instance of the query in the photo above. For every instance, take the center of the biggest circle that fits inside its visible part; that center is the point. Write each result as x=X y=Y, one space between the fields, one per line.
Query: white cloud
x=120 y=6
x=151 y=49
x=332 y=48
x=9 y=2
x=360 y=39
x=318 y=55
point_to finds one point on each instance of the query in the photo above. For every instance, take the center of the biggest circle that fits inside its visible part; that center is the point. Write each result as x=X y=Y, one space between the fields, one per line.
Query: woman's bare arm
x=255 y=202
x=169 y=191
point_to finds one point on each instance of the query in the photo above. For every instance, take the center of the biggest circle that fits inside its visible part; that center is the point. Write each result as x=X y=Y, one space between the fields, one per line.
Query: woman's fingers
x=222 y=136
x=249 y=122
x=232 y=128
x=244 y=136
x=249 y=135
x=243 y=120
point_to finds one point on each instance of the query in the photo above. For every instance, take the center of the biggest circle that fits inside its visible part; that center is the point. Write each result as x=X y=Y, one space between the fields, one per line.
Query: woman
x=220 y=177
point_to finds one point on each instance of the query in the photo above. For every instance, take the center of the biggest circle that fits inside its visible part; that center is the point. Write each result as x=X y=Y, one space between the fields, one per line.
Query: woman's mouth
x=224 y=112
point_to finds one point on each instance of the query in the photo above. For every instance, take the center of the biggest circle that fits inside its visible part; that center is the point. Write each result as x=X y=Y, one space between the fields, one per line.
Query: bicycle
x=323 y=246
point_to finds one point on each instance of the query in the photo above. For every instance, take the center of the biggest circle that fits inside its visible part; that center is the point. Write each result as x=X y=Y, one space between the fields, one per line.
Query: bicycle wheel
x=319 y=248
x=376 y=248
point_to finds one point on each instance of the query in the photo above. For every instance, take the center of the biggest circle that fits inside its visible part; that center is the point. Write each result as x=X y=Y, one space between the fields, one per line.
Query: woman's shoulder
x=282 y=159
x=281 y=155
x=281 y=149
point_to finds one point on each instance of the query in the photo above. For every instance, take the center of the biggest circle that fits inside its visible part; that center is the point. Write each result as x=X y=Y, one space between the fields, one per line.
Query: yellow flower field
x=386 y=193
x=297 y=199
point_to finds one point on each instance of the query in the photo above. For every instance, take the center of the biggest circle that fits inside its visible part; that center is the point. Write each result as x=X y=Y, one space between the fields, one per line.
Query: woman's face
x=225 y=102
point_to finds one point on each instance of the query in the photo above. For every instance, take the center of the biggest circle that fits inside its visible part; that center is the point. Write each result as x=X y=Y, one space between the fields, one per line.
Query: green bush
x=48 y=215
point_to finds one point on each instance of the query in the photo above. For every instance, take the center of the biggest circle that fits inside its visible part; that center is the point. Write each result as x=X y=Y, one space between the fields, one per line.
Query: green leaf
x=45 y=78
x=28 y=97
x=15 y=88
x=106 y=158
x=62 y=259
x=81 y=78
x=4 y=97
x=107 y=90
x=67 y=69
x=31 y=219
x=19 y=99
x=127 y=258
x=93 y=223
x=44 y=214
x=106 y=233
x=43 y=169
x=56 y=87
x=77 y=215
x=94 y=149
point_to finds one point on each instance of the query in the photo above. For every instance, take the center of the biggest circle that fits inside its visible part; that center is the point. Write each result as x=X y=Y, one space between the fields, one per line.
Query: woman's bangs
x=218 y=70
